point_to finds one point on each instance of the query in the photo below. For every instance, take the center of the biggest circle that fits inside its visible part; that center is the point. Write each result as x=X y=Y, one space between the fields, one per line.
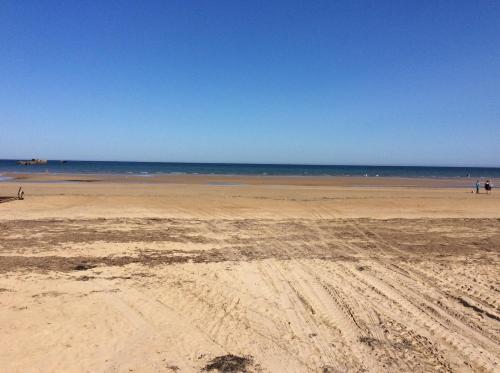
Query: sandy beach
x=191 y=273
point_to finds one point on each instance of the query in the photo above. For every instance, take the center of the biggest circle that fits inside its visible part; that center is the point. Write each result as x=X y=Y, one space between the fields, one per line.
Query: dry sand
x=172 y=274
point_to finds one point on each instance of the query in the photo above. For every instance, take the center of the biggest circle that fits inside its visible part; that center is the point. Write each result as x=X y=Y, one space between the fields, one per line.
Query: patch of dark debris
x=224 y=254
x=480 y=311
x=229 y=364
x=48 y=294
x=52 y=232
x=85 y=278
x=404 y=344
x=117 y=278
x=413 y=233
x=7 y=199
x=328 y=369
x=370 y=341
x=104 y=291
x=83 y=267
x=283 y=239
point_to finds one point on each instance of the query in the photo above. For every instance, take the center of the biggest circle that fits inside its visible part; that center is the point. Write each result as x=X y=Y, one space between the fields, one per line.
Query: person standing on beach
x=477 y=186
x=487 y=187
x=20 y=193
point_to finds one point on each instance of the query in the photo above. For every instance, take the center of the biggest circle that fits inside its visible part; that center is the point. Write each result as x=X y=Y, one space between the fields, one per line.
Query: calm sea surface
x=152 y=168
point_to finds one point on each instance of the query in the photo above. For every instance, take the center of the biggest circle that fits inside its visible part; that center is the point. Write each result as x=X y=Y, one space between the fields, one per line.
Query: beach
x=119 y=273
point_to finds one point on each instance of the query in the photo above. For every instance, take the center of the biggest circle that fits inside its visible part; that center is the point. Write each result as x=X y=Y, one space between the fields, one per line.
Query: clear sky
x=327 y=82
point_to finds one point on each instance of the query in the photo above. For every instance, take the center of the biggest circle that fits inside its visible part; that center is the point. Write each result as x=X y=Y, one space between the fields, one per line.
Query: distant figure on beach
x=487 y=187
x=20 y=193
x=477 y=186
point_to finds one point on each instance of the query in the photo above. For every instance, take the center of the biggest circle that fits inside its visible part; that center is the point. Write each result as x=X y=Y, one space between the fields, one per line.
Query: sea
x=147 y=169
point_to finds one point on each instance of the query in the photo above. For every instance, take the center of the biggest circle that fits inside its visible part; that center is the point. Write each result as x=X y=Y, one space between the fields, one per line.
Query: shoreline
x=236 y=180
x=210 y=197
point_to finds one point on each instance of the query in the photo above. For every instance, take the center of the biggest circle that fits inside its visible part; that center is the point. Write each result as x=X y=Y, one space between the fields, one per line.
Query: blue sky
x=326 y=82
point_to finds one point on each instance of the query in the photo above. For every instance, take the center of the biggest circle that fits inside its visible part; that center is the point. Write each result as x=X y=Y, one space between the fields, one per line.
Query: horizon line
x=257 y=164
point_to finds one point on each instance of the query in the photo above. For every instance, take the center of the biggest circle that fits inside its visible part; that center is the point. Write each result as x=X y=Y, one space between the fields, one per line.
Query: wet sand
x=270 y=275
x=245 y=180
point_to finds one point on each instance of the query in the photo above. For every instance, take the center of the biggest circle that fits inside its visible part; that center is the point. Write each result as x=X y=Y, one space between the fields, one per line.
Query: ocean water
x=146 y=169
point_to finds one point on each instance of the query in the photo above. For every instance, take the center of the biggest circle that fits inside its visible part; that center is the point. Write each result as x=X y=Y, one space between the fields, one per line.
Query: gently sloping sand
x=112 y=276
x=143 y=200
